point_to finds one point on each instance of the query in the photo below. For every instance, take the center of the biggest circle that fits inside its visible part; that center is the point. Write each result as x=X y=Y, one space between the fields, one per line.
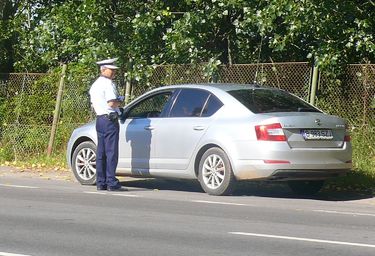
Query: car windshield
x=267 y=101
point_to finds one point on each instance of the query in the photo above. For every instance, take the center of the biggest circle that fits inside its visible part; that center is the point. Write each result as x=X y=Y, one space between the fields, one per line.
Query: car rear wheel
x=306 y=187
x=84 y=163
x=215 y=172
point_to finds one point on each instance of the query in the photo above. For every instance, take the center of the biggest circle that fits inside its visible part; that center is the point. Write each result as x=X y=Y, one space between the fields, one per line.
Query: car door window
x=189 y=103
x=150 y=107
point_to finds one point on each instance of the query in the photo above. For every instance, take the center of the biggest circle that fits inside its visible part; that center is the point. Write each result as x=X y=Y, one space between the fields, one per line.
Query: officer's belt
x=112 y=117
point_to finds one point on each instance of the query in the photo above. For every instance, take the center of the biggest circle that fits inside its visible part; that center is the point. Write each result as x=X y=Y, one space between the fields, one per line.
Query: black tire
x=215 y=172
x=306 y=187
x=84 y=163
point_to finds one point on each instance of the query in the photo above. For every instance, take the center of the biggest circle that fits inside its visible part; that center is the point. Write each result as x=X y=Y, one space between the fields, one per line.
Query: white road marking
x=303 y=239
x=214 y=202
x=346 y=213
x=93 y=192
x=11 y=254
x=110 y=194
x=126 y=195
x=16 y=186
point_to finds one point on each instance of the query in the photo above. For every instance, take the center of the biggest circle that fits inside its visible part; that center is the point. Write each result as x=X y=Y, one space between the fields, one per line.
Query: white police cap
x=109 y=63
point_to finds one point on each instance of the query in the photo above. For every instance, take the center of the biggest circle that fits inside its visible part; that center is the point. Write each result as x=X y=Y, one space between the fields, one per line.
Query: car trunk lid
x=311 y=130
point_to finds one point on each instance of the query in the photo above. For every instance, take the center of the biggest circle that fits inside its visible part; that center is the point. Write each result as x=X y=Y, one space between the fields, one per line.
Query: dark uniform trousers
x=107 y=151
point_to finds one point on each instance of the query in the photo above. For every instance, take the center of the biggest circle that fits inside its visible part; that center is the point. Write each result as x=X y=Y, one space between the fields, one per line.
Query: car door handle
x=199 y=128
x=149 y=128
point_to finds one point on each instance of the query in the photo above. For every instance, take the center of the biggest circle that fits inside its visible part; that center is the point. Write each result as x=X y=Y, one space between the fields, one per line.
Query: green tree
x=8 y=9
x=39 y=35
x=334 y=32
x=52 y=34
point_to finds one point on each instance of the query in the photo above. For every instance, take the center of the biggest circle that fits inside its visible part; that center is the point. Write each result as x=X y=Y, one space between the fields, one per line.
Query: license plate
x=317 y=134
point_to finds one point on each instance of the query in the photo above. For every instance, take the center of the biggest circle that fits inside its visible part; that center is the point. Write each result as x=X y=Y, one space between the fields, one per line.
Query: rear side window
x=213 y=104
x=189 y=103
x=267 y=101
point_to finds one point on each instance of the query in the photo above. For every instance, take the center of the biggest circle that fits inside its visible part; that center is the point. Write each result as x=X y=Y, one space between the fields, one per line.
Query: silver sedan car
x=220 y=134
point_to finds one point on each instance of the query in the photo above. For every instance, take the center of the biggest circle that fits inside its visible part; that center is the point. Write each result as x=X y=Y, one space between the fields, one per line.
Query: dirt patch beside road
x=43 y=173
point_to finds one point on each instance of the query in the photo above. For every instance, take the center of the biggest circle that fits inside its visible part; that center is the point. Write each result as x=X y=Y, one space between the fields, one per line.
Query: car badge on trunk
x=317 y=121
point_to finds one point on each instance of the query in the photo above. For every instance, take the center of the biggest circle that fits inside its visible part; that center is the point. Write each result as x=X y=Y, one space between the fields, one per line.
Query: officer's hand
x=121 y=98
x=122 y=115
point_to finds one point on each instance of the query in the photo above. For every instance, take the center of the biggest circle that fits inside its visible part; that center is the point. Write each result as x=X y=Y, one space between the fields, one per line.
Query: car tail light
x=271 y=132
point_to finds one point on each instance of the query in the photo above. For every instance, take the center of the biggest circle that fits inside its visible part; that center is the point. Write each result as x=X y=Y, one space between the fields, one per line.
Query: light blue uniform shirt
x=102 y=91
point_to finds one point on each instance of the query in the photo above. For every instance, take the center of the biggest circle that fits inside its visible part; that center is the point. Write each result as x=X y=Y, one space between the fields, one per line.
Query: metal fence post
x=128 y=89
x=314 y=84
x=56 y=114
x=128 y=81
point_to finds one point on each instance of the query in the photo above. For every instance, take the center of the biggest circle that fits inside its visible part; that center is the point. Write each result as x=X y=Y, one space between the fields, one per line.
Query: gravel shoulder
x=43 y=173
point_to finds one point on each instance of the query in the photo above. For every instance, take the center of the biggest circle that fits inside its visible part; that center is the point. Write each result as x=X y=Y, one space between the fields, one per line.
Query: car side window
x=189 y=103
x=213 y=104
x=150 y=107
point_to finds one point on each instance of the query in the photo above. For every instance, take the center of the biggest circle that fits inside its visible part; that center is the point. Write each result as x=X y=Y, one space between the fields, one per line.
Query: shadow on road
x=281 y=190
x=164 y=184
x=260 y=189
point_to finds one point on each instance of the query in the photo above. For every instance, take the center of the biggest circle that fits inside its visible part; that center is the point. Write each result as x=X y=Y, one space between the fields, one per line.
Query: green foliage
x=333 y=32
x=364 y=149
x=6 y=153
x=362 y=178
x=31 y=102
x=45 y=34
x=75 y=107
x=8 y=9
x=21 y=142
x=24 y=140
x=50 y=34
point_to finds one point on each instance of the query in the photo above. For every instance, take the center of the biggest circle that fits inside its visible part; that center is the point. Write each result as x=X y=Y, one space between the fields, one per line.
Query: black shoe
x=117 y=188
x=101 y=187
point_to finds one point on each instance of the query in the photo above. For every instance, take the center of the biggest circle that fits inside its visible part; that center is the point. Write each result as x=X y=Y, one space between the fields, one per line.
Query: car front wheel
x=215 y=172
x=84 y=163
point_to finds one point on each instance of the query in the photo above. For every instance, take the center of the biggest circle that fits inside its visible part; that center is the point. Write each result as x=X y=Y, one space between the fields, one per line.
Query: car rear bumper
x=277 y=161
x=306 y=174
x=250 y=169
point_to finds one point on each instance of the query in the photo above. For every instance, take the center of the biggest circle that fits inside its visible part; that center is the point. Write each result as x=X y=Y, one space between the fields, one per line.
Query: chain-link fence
x=27 y=101
x=350 y=96
x=24 y=101
x=293 y=77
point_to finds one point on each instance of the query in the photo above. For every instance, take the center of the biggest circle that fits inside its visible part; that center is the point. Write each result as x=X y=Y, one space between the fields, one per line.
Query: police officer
x=106 y=103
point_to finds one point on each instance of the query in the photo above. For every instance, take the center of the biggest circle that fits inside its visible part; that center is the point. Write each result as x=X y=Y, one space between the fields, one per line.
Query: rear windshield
x=267 y=101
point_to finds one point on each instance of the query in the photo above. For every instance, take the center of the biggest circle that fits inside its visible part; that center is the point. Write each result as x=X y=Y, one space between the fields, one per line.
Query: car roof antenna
x=259 y=54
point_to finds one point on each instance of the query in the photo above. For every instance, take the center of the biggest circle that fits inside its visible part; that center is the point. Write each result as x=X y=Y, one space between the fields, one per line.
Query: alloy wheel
x=213 y=172
x=86 y=164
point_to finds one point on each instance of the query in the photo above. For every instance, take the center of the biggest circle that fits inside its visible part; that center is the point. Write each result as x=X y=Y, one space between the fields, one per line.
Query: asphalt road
x=157 y=217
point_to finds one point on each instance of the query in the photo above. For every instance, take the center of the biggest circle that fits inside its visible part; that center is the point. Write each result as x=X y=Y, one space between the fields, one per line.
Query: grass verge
x=56 y=162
